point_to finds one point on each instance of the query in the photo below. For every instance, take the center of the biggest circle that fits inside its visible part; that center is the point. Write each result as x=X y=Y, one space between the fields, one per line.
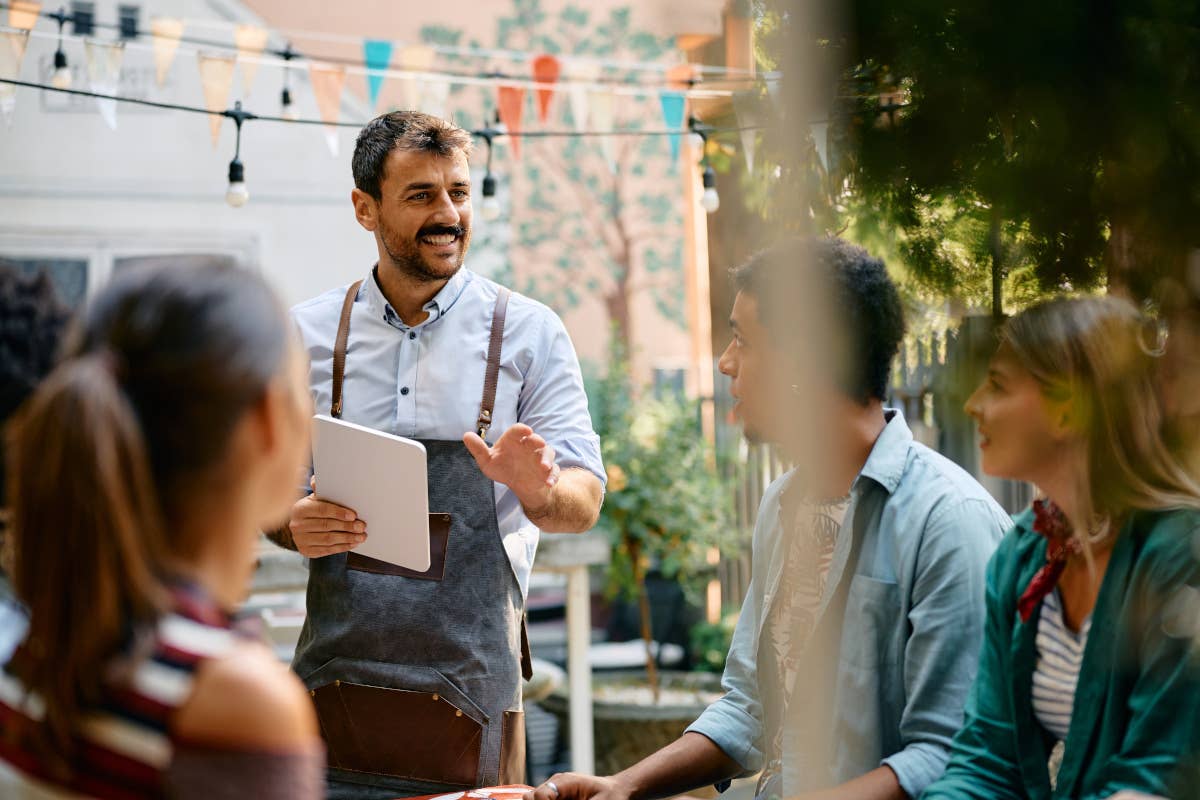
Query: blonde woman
x=1090 y=595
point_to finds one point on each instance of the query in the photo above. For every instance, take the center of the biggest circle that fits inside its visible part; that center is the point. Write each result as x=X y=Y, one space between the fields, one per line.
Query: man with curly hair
x=860 y=631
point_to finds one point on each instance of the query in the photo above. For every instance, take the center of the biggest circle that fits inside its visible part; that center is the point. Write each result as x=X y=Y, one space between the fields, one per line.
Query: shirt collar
x=441 y=303
x=885 y=465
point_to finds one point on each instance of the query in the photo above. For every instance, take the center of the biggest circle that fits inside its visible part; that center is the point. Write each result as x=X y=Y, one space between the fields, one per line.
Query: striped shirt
x=124 y=746
x=1059 y=656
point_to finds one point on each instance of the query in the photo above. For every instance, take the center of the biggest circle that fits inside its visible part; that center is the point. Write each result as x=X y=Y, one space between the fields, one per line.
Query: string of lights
x=238 y=194
x=287 y=54
x=285 y=62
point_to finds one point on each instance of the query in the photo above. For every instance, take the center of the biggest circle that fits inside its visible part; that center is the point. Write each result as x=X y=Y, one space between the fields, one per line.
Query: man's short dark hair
x=402 y=130
x=864 y=304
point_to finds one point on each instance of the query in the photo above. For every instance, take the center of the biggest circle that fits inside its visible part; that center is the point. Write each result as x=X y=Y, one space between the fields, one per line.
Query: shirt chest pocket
x=870 y=626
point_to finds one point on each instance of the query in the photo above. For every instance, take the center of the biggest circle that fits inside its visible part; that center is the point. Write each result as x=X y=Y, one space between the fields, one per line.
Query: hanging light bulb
x=62 y=71
x=490 y=208
x=61 y=79
x=237 y=194
x=710 y=201
x=289 y=108
x=697 y=143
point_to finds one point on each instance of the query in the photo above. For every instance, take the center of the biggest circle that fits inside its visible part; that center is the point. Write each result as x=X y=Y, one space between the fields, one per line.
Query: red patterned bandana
x=1051 y=523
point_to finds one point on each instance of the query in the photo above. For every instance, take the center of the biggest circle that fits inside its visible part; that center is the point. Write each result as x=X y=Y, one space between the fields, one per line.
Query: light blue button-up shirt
x=426 y=381
x=910 y=633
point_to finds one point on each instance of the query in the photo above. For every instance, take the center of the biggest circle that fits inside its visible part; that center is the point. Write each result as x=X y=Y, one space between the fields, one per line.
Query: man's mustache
x=441 y=230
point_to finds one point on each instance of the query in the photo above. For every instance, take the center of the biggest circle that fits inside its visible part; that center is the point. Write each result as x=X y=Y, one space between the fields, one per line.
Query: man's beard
x=406 y=255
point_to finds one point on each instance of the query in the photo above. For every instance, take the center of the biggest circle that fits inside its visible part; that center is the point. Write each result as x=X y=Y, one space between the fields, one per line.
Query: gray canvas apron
x=416 y=677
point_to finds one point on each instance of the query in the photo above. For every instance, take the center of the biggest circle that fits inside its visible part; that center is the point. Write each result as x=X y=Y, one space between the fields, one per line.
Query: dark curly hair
x=32 y=320
x=407 y=131
x=862 y=300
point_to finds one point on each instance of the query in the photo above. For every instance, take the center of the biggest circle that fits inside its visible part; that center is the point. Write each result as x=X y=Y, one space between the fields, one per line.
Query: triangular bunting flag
x=327 y=81
x=417 y=58
x=251 y=40
x=601 y=115
x=216 y=78
x=434 y=94
x=579 y=94
x=12 y=52
x=545 y=70
x=377 y=53
x=510 y=100
x=104 y=75
x=746 y=109
x=820 y=137
x=23 y=14
x=166 y=43
x=673 y=106
x=681 y=76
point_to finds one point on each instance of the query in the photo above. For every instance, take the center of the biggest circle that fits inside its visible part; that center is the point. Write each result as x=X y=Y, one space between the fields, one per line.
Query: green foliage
x=710 y=642
x=1062 y=122
x=665 y=504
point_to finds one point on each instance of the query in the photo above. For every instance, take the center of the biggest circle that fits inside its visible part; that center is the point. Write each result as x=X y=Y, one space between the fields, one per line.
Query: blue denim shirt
x=909 y=635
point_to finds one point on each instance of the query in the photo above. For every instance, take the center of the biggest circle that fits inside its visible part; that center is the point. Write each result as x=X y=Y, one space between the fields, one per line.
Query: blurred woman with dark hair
x=140 y=473
x=1092 y=597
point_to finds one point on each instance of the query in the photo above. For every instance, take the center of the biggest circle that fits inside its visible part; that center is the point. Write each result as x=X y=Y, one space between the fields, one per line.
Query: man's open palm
x=521 y=460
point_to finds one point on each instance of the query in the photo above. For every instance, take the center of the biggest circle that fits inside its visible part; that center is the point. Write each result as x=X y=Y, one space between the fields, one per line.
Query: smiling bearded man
x=417 y=676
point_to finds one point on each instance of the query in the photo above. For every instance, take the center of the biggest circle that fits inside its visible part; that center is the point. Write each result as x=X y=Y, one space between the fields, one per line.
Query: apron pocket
x=439 y=538
x=400 y=733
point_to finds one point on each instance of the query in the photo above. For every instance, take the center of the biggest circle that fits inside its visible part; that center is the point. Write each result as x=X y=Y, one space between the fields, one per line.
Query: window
x=83 y=19
x=129 y=21
x=69 y=275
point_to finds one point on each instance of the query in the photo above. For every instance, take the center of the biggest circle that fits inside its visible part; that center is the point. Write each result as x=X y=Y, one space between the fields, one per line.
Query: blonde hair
x=1090 y=352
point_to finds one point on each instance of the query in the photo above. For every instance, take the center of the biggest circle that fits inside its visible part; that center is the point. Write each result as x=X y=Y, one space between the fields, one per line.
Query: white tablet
x=383 y=478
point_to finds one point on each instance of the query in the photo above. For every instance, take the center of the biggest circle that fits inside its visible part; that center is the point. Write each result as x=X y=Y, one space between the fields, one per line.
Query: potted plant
x=666 y=511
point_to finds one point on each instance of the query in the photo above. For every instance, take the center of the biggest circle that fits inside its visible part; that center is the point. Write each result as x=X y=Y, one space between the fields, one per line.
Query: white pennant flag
x=745 y=108
x=12 y=52
x=434 y=95
x=104 y=75
x=578 y=95
x=820 y=137
x=601 y=114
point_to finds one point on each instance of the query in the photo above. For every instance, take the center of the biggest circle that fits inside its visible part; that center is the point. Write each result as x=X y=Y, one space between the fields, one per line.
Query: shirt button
x=404 y=390
x=412 y=334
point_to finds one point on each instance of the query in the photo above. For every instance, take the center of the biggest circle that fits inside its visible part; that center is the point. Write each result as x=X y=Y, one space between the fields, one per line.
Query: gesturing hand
x=521 y=460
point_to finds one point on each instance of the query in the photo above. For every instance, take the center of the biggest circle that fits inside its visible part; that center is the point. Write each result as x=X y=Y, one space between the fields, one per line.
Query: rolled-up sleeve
x=553 y=401
x=734 y=722
x=947 y=621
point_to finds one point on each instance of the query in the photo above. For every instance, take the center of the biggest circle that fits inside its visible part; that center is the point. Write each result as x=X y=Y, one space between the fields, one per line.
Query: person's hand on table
x=320 y=528
x=573 y=786
x=521 y=460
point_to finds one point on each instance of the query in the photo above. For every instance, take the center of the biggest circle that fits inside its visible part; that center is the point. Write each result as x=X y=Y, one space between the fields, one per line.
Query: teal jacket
x=1136 y=722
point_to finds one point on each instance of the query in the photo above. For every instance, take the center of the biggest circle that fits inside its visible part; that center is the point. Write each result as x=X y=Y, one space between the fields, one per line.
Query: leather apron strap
x=491 y=381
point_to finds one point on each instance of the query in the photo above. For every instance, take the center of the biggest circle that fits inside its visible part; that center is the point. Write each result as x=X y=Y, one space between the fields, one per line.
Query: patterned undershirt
x=792 y=617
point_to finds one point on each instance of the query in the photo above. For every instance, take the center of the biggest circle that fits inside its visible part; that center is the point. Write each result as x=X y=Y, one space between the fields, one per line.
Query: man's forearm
x=878 y=784
x=282 y=536
x=573 y=506
x=688 y=763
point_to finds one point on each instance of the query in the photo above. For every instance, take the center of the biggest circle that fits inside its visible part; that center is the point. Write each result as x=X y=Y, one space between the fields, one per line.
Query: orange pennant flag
x=545 y=70
x=12 y=52
x=327 y=81
x=216 y=77
x=166 y=42
x=251 y=41
x=23 y=14
x=511 y=102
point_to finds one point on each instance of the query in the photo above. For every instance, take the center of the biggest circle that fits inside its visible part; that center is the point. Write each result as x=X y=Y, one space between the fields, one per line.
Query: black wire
x=288 y=54
x=247 y=116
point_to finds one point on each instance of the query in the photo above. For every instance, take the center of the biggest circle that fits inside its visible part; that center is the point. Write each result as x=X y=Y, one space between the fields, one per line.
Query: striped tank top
x=1059 y=657
x=124 y=746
